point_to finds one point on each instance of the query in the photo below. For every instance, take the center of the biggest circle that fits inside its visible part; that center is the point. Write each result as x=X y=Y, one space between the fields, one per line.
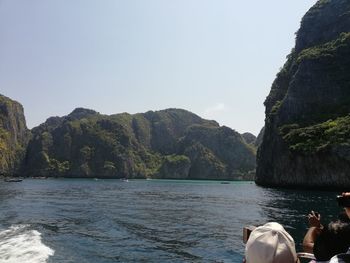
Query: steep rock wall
x=306 y=141
x=14 y=136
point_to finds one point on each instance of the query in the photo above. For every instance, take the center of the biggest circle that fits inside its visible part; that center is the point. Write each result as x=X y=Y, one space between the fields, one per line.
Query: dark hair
x=343 y=217
x=333 y=240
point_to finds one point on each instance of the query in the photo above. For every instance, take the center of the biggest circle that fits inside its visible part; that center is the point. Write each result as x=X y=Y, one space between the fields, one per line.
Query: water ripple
x=144 y=221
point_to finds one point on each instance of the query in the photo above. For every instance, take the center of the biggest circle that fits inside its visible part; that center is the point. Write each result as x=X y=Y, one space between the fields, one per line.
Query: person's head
x=343 y=217
x=333 y=240
x=270 y=243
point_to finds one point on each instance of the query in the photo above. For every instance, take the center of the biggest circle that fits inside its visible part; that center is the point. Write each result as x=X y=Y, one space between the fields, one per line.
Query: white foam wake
x=21 y=244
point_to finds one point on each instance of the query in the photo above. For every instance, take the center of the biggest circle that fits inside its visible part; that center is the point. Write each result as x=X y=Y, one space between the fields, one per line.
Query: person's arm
x=309 y=239
x=315 y=229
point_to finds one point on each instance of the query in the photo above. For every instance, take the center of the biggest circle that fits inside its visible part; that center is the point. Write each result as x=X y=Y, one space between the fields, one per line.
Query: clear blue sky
x=216 y=58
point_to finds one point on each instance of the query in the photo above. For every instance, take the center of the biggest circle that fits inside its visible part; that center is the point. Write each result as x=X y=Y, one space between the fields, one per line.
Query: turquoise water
x=78 y=220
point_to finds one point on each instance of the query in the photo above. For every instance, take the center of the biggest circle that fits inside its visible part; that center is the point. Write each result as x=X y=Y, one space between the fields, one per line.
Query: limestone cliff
x=249 y=138
x=259 y=139
x=14 y=136
x=306 y=141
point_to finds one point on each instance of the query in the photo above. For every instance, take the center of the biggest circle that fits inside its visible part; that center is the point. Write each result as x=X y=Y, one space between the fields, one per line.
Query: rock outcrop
x=249 y=138
x=14 y=136
x=306 y=141
x=259 y=139
x=171 y=143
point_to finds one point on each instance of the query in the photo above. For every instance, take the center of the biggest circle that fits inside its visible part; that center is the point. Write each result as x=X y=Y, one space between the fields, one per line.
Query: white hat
x=270 y=243
x=341 y=258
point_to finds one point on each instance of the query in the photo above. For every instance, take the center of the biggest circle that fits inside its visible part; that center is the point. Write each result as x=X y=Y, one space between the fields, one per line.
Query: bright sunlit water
x=78 y=220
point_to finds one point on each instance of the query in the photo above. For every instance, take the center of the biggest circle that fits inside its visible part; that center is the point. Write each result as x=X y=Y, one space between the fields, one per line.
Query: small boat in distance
x=124 y=180
x=13 y=180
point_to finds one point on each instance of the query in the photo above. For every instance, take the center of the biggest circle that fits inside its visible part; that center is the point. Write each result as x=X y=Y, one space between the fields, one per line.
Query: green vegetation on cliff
x=334 y=48
x=320 y=137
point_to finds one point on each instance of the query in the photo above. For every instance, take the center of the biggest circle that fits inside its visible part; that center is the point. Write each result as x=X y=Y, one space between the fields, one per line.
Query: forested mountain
x=171 y=143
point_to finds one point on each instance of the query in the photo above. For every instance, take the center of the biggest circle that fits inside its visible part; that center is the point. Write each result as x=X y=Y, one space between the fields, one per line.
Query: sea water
x=81 y=220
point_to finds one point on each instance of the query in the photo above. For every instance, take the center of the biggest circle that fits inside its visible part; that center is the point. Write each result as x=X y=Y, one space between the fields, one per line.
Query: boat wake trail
x=21 y=244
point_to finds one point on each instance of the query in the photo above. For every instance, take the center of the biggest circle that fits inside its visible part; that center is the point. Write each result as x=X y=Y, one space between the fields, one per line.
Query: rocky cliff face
x=249 y=138
x=171 y=143
x=14 y=136
x=306 y=140
x=259 y=139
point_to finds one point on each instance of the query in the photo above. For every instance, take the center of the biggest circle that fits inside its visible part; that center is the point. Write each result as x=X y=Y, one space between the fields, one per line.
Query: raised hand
x=314 y=219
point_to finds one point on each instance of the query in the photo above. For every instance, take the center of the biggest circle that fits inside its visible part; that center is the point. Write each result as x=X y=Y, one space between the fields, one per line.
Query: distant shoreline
x=134 y=179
